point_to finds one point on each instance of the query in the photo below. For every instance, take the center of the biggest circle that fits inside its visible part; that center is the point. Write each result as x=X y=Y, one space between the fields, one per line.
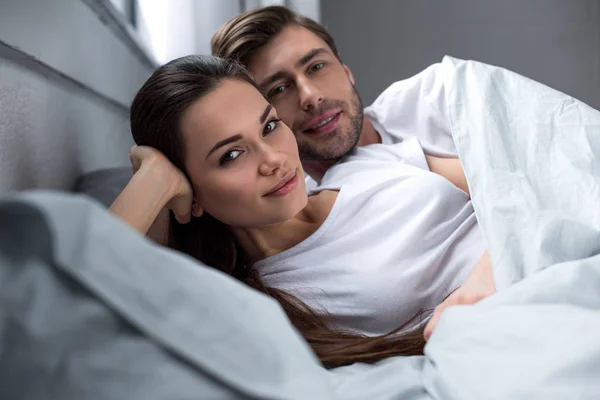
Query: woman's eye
x=230 y=156
x=271 y=126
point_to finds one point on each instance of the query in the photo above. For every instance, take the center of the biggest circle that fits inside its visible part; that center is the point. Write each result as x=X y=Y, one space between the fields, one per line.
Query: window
x=127 y=8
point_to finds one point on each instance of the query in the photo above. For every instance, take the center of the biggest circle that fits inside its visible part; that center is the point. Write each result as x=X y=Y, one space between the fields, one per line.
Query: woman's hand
x=176 y=184
x=155 y=184
x=479 y=284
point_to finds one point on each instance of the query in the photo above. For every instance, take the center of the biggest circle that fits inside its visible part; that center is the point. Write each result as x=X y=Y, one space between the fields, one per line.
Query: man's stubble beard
x=340 y=143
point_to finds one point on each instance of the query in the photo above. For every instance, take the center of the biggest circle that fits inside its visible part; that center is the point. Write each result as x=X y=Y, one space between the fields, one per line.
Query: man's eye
x=230 y=156
x=277 y=90
x=317 y=67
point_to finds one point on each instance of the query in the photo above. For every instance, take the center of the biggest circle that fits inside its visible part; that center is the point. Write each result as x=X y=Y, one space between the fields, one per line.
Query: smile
x=324 y=122
x=325 y=125
x=285 y=186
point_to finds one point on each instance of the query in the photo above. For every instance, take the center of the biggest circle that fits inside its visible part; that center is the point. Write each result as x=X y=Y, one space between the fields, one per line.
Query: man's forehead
x=284 y=51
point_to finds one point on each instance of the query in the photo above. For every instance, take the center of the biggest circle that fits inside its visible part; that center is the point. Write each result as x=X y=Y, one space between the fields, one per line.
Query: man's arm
x=451 y=169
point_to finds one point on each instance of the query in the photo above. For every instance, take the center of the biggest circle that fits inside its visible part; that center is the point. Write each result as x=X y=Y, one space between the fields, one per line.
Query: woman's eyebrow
x=237 y=137
x=265 y=114
x=224 y=142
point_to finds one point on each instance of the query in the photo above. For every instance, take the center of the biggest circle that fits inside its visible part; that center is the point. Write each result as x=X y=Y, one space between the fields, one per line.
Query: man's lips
x=313 y=123
x=324 y=123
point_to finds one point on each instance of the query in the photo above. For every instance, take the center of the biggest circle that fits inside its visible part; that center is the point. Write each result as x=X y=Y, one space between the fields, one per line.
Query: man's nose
x=310 y=95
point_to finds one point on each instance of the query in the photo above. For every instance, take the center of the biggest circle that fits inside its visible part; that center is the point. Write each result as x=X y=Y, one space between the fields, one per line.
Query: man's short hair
x=243 y=36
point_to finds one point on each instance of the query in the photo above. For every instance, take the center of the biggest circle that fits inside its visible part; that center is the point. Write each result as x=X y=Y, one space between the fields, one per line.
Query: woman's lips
x=288 y=184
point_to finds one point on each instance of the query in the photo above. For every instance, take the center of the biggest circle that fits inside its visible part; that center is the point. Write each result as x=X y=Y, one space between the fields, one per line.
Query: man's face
x=312 y=91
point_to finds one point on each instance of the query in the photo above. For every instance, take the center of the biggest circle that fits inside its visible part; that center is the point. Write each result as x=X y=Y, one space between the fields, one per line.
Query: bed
x=90 y=309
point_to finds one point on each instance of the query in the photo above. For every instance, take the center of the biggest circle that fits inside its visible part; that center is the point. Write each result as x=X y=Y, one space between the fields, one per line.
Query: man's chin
x=327 y=154
x=329 y=146
x=315 y=138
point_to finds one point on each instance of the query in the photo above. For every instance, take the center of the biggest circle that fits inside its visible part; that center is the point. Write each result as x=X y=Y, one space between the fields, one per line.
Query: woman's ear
x=197 y=209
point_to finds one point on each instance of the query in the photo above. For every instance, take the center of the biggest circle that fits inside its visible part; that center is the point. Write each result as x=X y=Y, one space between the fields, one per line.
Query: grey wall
x=66 y=80
x=556 y=42
x=209 y=16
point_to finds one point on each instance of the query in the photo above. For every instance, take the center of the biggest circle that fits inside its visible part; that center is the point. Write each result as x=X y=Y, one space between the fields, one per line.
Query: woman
x=388 y=233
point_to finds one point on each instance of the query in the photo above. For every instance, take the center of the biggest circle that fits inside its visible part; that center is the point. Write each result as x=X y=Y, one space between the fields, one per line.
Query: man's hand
x=478 y=285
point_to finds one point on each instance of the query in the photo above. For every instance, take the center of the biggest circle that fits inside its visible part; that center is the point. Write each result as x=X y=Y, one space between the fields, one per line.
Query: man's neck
x=368 y=135
x=317 y=169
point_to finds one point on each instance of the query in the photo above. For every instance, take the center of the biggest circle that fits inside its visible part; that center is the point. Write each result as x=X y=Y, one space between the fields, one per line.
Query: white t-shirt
x=398 y=240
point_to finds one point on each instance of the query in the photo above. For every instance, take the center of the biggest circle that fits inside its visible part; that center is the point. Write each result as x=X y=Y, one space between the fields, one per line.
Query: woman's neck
x=267 y=241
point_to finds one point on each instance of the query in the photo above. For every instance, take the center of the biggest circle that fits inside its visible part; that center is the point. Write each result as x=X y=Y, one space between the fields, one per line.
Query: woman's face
x=243 y=162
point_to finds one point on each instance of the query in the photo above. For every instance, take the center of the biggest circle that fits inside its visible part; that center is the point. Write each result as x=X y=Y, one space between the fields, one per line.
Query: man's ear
x=349 y=73
x=197 y=209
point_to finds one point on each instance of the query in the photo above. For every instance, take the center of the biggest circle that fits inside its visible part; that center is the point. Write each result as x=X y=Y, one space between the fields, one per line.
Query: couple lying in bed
x=363 y=263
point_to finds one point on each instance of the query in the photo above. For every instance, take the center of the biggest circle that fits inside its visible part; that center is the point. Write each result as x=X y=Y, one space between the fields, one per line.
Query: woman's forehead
x=232 y=108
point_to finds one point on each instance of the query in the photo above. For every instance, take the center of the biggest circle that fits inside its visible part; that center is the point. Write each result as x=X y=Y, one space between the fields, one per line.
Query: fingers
x=462 y=296
x=134 y=158
x=138 y=155
x=133 y=152
x=429 y=329
x=184 y=218
x=433 y=321
x=452 y=300
x=182 y=207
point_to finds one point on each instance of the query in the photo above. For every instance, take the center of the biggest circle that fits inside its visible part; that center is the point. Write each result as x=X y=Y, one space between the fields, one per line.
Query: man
x=296 y=64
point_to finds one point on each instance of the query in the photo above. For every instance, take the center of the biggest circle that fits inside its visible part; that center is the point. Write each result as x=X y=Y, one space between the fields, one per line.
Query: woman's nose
x=271 y=161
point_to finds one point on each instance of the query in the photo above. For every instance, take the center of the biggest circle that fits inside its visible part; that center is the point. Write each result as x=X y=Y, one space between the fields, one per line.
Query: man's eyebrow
x=271 y=79
x=280 y=74
x=308 y=56
x=224 y=142
x=265 y=113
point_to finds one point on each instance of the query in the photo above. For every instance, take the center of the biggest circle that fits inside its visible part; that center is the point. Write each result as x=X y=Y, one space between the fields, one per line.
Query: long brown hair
x=155 y=116
x=242 y=36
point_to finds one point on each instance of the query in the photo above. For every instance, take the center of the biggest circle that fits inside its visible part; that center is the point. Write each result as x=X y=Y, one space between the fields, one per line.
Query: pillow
x=104 y=185
x=91 y=309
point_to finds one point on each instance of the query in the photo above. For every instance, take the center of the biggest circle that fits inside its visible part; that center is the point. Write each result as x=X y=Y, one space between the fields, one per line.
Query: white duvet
x=532 y=159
